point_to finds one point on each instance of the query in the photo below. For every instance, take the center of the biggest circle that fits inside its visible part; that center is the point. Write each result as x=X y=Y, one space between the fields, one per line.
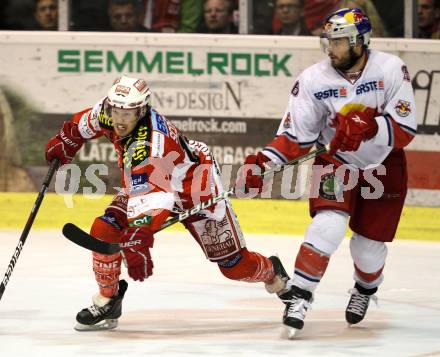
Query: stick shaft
x=224 y=195
x=27 y=227
x=85 y=240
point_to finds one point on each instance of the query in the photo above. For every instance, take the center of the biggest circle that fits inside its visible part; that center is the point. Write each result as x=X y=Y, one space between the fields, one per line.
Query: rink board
x=288 y=217
x=227 y=91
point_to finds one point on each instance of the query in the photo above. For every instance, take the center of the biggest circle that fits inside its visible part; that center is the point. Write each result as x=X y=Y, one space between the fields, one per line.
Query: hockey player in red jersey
x=163 y=173
x=361 y=102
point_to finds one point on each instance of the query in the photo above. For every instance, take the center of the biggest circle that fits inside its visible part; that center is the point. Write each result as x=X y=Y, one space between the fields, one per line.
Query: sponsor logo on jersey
x=136 y=148
x=139 y=182
x=357 y=119
x=141 y=221
x=370 y=87
x=287 y=122
x=295 y=89
x=110 y=219
x=159 y=123
x=330 y=187
x=157 y=144
x=406 y=76
x=105 y=121
x=343 y=92
x=328 y=93
x=403 y=108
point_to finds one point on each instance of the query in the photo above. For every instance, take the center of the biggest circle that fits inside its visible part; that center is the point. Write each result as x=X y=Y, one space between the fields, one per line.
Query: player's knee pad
x=106 y=228
x=327 y=230
x=247 y=266
x=369 y=260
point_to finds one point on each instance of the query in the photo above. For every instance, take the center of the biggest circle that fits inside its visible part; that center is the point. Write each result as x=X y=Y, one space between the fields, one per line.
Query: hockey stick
x=85 y=240
x=27 y=227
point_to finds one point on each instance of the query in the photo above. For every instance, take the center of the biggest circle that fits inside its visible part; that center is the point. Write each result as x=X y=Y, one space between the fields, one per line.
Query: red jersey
x=162 y=171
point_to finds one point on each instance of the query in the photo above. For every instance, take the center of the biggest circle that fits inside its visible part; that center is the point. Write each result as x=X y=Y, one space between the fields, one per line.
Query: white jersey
x=320 y=92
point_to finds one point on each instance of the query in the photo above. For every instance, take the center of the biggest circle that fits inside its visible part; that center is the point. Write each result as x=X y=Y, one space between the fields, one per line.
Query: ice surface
x=188 y=308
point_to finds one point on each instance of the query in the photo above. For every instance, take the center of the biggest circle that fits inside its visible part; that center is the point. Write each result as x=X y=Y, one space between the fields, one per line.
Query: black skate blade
x=108 y=324
x=85 y=240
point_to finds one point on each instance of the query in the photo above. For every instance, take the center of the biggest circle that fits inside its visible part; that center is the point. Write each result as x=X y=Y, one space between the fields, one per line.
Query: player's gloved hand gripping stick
x=85 y=240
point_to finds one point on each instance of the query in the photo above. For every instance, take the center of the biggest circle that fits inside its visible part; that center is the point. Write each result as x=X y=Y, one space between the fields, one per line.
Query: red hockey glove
x=136 y=243
x=65 y=144
x=251 y=180
x=352 y=129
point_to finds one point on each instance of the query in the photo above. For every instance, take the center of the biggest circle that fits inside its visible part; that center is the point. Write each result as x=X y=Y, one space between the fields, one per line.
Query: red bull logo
x=403 y=108
x=358 y=17
x=354 y=17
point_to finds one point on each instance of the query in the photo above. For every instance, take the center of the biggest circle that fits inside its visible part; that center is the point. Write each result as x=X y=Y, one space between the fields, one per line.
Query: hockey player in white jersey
x=360 y=101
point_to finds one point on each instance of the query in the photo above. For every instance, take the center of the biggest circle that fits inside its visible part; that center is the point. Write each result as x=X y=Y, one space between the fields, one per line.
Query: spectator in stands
x=428 y=12
x=315 y=13
x=46 y=15
x=191 y=12
x=217 y=17
x=160 y=15
x=123 y=16
x=290 y=15
x=369 y=9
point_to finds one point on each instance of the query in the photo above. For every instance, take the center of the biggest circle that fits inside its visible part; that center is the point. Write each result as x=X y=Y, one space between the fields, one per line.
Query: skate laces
x=359 y=302
x=97 y=311
x=298 y=307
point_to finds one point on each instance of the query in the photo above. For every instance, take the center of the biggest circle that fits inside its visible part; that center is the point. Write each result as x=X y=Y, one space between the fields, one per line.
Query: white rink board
x=65 y=72
x=188 y=308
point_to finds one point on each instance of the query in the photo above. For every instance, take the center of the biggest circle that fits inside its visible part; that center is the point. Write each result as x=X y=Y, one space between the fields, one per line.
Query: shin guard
x=107 y=268
x=310 y=266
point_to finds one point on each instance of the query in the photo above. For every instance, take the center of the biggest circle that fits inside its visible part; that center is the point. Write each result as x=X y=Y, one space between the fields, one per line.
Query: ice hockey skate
x=358 y=305
x=278 y=283
x=297 y=301
x=104 y=313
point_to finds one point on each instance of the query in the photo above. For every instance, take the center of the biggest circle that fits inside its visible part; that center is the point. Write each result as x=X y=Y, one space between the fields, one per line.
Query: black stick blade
x=85 y=240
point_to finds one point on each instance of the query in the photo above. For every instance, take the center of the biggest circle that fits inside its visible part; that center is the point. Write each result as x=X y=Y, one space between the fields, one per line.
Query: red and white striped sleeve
x=88 y=121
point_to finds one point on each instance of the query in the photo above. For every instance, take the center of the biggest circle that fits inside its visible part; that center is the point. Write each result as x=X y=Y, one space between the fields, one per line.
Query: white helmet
x=351 y=23
x=129 y=93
